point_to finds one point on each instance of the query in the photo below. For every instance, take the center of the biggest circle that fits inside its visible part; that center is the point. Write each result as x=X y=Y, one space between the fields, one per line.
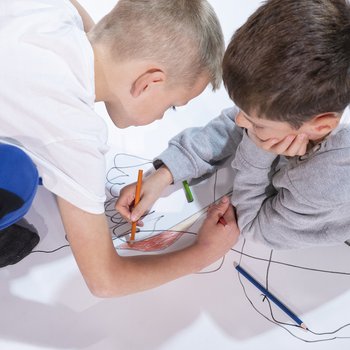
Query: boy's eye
x=257 y=127
x=173 y=108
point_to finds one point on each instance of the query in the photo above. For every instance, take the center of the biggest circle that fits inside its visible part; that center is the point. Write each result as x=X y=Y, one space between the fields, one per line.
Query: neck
x=101 y=91
x=319 y=139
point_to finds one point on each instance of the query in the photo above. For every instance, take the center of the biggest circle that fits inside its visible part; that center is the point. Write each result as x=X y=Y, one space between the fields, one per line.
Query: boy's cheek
x=255 y=138
x=266 y=136
x=260 y=136
x=264 y=144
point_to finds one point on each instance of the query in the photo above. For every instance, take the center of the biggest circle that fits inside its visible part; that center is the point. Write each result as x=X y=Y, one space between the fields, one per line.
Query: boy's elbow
x=104 y=290
x=101 y=291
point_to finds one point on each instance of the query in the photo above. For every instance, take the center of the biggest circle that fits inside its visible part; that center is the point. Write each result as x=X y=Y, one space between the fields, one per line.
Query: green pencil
x=187 y=191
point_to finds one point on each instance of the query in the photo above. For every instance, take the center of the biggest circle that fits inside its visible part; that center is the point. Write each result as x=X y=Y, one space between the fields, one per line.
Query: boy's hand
x=152 y=188
x=215 y=238
x=291 y=145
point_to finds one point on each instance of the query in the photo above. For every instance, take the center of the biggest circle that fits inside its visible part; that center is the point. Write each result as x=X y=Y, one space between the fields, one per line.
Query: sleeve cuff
x=177 y=162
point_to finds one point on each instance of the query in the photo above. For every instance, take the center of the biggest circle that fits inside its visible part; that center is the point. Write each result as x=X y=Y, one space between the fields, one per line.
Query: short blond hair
x=184 y=35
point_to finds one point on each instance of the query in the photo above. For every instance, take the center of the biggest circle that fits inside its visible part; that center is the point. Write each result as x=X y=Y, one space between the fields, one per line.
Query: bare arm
x=87 y=20
x=107 y=274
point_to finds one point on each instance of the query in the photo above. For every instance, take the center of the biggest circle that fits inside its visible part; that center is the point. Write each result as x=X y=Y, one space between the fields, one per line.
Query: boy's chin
x=121 y=125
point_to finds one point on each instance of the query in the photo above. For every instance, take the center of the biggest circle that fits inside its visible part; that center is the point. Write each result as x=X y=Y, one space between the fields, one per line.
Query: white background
x=46 y=305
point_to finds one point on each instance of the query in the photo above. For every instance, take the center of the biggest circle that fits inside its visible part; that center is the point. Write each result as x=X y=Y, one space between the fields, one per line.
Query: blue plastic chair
x=18 y=175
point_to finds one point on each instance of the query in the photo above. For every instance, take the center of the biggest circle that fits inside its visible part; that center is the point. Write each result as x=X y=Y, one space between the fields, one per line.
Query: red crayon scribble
x=155 y=243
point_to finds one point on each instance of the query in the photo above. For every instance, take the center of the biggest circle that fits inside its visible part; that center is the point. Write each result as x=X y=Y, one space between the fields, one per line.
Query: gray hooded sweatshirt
x=282 y=202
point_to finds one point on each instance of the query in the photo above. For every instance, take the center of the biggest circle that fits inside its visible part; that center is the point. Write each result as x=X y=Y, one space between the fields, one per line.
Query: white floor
x=46 y=305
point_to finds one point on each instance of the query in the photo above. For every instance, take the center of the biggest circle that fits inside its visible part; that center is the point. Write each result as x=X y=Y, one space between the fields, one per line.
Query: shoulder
x=324 y=177
x=227 y=121
x=230 y=113
x=41 y=11
x=45 y=46
x=42 y=30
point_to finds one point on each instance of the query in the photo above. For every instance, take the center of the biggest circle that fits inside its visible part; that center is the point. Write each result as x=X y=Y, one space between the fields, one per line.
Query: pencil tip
x=304 y=326
x=235 y=264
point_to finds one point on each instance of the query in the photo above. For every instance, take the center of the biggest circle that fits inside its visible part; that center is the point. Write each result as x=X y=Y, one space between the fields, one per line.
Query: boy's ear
x=147 y=80
x=325 y=122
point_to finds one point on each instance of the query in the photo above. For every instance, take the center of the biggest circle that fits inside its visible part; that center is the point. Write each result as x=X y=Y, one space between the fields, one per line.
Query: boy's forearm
x=87 y=19
x=198 y=151
x=140 y=273
x=106 y=273
x=252 y=178
x=164 y=175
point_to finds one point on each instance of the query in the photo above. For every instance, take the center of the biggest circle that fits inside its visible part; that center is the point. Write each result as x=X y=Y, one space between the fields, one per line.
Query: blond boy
x=133 y=60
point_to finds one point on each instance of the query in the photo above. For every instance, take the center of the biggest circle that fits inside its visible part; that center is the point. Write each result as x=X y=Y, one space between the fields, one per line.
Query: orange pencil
x=137 y=199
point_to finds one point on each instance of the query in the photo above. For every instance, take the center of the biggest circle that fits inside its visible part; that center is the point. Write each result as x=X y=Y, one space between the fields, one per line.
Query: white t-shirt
x=47 y=98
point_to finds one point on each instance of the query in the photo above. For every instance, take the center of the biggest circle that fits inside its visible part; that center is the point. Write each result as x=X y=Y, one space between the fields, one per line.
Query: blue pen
x=283 y=307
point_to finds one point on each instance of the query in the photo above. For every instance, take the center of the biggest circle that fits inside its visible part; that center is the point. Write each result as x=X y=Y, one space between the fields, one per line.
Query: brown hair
x=291 y=60
x=184 y=35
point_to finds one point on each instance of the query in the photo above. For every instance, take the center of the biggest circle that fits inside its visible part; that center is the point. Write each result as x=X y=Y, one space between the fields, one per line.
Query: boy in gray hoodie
x=287 y=69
